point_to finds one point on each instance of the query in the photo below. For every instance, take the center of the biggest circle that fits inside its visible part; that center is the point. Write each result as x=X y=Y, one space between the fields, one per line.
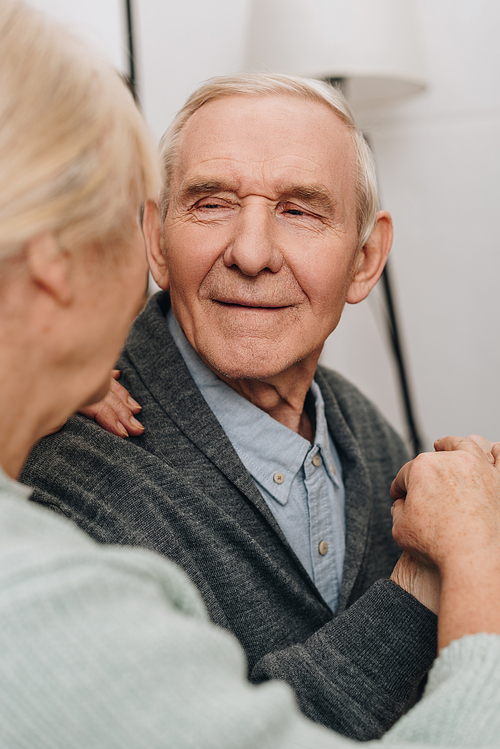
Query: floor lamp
x=372 y=50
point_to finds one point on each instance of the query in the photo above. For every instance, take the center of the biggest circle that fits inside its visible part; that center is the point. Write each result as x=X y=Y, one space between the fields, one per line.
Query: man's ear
x=51 y=267
x=153 y=236
x=371 y=258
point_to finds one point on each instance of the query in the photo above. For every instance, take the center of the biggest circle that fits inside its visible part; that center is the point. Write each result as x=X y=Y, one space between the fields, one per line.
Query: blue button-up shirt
x=301 y=483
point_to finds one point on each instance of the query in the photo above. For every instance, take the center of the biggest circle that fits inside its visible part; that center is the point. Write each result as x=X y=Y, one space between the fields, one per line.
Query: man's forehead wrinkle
x=206 y=171
x=209 y=165
x=230 y=178
x=199 y=148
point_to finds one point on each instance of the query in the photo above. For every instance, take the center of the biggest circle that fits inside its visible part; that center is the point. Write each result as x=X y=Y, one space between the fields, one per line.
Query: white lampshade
x=374 y=44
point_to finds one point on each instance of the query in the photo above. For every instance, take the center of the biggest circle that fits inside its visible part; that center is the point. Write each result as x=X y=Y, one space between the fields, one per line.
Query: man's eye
x=209 y=205
x=306 y=215
x=294 y=210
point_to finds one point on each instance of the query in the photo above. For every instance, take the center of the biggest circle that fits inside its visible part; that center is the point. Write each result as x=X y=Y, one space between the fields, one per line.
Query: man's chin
x=246 y=368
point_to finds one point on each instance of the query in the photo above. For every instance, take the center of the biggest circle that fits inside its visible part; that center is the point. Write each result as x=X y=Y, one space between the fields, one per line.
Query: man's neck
x=282 y=396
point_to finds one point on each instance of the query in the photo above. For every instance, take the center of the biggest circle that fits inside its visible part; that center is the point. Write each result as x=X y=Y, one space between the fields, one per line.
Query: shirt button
x=332 y=468
x=323 y=548
x=278 y=478
x=316 y=461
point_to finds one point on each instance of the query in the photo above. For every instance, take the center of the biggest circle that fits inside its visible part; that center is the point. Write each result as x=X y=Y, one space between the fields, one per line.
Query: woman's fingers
x=115 y=412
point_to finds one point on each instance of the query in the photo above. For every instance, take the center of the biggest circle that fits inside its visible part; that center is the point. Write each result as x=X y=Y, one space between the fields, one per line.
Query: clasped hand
x=447 y=503
x=446 y=518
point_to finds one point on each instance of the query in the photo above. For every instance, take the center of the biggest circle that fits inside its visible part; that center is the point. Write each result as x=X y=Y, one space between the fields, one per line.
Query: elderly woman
x=106 y=647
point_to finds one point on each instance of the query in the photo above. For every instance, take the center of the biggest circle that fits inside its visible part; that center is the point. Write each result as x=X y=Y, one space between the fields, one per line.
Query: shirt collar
x=272 y=453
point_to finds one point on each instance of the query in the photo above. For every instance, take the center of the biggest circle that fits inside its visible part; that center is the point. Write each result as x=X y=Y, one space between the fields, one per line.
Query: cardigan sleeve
x=367 y=661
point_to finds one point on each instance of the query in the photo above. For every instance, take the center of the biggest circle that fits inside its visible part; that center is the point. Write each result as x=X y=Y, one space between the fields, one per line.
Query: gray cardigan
x=181 y=489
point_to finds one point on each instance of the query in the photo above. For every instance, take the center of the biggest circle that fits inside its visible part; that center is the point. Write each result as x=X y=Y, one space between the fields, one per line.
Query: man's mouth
x=240 y=303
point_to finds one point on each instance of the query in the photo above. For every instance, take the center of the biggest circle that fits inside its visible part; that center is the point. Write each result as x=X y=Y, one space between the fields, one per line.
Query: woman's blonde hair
x=267 y=84
x=73 y=147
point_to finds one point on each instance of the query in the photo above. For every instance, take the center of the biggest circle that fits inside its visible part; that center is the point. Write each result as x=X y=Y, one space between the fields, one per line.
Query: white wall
x=438 y=160
x=179 y=45
x=102 y=23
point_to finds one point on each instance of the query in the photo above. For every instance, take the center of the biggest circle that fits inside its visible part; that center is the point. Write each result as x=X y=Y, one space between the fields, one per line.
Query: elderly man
x=263 y=475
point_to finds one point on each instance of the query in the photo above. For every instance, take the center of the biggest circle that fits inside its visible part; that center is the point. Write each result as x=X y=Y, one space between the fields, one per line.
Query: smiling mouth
x=238 y=304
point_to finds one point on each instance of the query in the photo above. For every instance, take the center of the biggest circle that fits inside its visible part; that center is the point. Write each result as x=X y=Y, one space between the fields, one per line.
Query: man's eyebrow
x=197 y=188
x=314 y=195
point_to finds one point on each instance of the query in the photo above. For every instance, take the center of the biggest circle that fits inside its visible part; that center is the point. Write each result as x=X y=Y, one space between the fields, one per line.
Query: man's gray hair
x=263 y=84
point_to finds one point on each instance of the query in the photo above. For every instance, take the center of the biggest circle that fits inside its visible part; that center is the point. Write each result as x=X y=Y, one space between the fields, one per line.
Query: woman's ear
x=370 y=259
x=51 y=267
x=153 y=236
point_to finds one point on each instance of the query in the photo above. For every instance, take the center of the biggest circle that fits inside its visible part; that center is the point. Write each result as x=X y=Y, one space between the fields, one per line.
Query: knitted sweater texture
x=106 y=647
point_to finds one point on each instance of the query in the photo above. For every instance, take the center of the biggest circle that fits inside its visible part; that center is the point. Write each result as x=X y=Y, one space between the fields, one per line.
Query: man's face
x=260 y=236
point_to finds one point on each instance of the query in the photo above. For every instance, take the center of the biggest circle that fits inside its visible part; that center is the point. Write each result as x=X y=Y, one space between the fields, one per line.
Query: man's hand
x=115 y=412
x=419 y=580
x=447 y=514
x=447 y=504
x=483 y=443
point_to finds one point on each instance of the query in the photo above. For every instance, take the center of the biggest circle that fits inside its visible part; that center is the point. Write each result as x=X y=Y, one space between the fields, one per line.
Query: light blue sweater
x=106 y=647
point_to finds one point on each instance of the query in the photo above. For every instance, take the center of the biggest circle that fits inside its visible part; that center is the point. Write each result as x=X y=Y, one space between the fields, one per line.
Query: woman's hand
x=446 y=514
x=447 y=503
x=115 y=412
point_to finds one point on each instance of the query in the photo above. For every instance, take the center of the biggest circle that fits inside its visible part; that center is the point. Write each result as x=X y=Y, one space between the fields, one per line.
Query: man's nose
x=253 y=248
